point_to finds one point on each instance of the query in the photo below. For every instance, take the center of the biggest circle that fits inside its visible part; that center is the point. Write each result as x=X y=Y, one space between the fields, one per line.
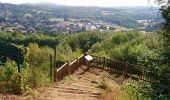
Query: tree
x=162 y=2
x=165 y=12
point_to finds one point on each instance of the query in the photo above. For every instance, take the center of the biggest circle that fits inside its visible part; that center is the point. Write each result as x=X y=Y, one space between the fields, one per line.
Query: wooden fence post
x=60 y=76
x=126 y=67
x=68 y=66
x=103 y=62
x=56 y=75
x=54 y=65
x=51 y=67
x=77 y=63
x=19 y=71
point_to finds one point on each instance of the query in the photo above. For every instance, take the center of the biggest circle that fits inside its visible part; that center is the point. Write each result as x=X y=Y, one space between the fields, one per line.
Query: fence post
x=68 y=66
x=126 y=67
x=77 y=63
x=19 y=71
x=103 y=62
x=56 y=75
x=55 y=57
x=54 y=65
x=51 y=66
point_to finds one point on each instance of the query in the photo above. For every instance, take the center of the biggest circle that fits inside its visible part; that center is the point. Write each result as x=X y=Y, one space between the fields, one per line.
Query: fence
x=68 y=69
x=110 y=65
x=125 y=68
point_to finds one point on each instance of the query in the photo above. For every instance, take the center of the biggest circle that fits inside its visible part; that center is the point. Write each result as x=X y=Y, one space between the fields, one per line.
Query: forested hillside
x=51 y=18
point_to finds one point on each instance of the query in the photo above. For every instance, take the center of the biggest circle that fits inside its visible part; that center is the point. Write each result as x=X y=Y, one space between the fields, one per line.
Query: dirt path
x=75 y=87
x=80 y=86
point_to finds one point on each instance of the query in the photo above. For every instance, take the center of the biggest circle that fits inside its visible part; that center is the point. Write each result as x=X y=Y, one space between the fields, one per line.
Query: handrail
x=67 y=68
x=125 y=68
x=108 y=58
x=115 y=60
x=81 y=56
x=108 y=64
x=73 y=62
x=62 y=66
x=121 y=61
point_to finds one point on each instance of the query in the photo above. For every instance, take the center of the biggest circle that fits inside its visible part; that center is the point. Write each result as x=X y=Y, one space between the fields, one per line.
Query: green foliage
x=34 y=72
x=134 y=93
x=105 y=86
x=64 y=52
x=138 y=48
x=143 y=49
x=9 y=77
x=13 y=52
x=165 y=11
x=39 y=65
x=85 y=40
x=127 y=46
x=25 y=39
x=37 y=54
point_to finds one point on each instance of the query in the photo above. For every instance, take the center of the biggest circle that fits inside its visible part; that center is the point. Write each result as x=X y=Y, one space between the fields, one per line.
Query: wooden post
x=84 y=60
x=51 y=67
x=61 y=75
x=126 y=67
x=103 y=62
x=19 y=71
x=77 y=64
x=56 y=76
x=54 y=65
x=68 y=66
x=55 y=57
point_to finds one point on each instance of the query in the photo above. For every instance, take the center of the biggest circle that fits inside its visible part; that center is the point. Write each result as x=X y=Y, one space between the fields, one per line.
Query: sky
x=101 y=3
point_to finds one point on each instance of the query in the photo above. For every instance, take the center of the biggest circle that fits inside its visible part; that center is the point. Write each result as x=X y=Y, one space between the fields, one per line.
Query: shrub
x=9 y=76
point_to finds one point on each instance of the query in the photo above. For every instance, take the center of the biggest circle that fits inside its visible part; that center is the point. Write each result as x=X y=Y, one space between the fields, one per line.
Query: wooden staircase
x=70 y=92
x=77 y=89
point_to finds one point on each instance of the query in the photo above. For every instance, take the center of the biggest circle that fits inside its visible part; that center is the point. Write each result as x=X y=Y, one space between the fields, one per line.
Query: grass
x=102 y=84
x=122 y=94
x=125 y=92
x=31 y=95
x=56 y=19
x=69 y=78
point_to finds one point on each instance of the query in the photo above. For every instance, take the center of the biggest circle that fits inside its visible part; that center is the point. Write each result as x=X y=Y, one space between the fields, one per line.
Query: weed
x=104 y=86
x=69 y=78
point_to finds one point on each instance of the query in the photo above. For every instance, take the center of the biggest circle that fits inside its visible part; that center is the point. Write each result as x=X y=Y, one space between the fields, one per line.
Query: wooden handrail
x=121 y=67
x=123 y=62
x=125 y=68
x=67 y=68
x=115 y=60
x=81 y=56
x=61 y=67
x=73 y=62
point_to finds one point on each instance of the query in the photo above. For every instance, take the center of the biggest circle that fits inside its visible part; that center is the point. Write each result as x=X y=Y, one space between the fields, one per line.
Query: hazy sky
x=102 y=3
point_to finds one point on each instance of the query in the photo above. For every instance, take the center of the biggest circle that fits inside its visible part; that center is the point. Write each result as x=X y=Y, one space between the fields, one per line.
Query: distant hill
x=29 y=14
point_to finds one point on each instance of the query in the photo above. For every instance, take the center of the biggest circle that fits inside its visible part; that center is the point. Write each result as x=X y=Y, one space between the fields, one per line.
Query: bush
x=9 y=76
x=134 y=92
